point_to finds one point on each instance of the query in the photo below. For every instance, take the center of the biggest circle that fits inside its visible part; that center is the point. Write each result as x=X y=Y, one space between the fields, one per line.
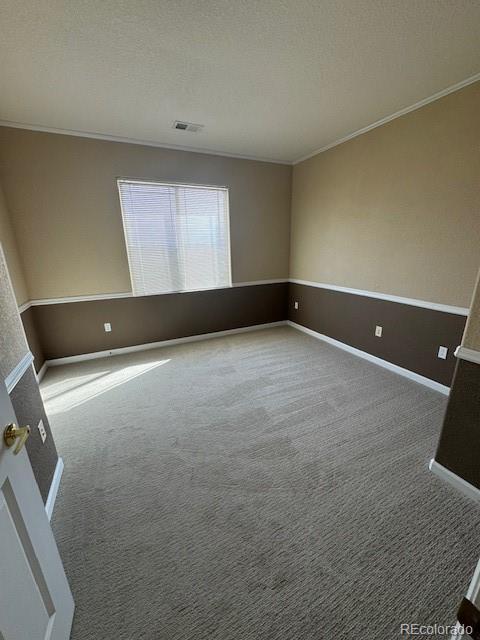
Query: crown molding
x=393 y=116
x=149 y=143
x=144 y=143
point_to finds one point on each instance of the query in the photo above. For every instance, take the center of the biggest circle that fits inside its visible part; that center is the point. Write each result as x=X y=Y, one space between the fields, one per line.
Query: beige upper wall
x=9 y=245
x=396 y=210
x=63 y=201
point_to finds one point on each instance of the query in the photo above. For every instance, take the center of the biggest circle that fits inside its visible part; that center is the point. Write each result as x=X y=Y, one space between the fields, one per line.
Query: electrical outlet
x=41 y=429
x=108 y=327
x=442 y=352
x=295 y=304
x=378 y=331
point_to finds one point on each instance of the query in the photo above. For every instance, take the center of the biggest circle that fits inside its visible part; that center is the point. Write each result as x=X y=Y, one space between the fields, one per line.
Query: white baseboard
x=257 y=327
x=42 y=372
x=163 y=343
x=473 y=594
x=52 y=494
x=468 y=490
x=379 y=361
x=455 y=481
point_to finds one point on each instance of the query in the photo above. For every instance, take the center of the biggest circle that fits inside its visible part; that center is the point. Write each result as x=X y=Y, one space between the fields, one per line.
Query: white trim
x=368 y=356
x=426 y=304
x=455 y=481
x=87 y=298
x=174 y=147
x=129 y=294
x=42 y=372
x=163 y=343
x=17 y=372
x=472 y=594
x=393 y=116
x=254 y=283
x=144 y=143
x=464 y=353
x=23 y=307
x=473 y=493
x=52 y=493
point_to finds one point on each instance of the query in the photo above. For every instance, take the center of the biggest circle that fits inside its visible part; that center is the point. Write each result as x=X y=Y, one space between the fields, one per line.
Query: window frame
x=169 y=183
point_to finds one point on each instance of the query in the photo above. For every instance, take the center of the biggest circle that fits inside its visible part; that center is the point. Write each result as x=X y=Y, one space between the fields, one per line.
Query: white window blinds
x=177 y=236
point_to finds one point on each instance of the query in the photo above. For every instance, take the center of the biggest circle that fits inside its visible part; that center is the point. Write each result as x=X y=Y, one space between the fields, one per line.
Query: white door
x=35 y=599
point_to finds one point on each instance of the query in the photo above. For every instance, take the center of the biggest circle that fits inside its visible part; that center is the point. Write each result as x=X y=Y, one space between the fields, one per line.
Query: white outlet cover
x=442 y=352
x=296 y=305
x=108 y=327
x=378 y=331
x=41 y=429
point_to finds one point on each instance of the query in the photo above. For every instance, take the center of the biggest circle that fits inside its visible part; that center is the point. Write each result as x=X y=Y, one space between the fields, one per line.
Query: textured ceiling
x=268 y=78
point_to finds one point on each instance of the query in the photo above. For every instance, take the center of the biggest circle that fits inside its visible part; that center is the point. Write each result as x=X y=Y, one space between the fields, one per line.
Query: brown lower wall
x=29 y=409
x=411 y=335
x=75 y=328
x=28 y=320
x=459 y=446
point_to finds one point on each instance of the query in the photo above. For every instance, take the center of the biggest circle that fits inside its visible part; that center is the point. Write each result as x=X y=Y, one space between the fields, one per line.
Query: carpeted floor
x=258 y=486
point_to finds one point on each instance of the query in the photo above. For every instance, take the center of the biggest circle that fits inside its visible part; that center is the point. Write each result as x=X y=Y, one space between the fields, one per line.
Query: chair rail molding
x=414 y=302
x=17 y=372
x=464 y=353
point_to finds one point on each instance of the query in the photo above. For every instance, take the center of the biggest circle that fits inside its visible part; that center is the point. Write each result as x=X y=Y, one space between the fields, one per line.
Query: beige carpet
x=258 y=486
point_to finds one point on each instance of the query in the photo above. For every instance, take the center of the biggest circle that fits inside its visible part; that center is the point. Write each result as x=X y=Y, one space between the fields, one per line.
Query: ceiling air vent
x=187 y=126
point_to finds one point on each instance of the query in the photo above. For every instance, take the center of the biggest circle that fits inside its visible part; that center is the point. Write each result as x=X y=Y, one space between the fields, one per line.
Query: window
x=177 y=236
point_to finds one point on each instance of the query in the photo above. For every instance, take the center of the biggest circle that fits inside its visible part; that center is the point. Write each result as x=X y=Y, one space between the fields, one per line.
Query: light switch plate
x=443 y=352
x=378 y=331
x=41 y=429
x=296 y=304
x=108 y=327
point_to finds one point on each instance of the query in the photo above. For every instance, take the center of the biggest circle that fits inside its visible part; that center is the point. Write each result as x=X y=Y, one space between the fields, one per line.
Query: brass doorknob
x=12 y=432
